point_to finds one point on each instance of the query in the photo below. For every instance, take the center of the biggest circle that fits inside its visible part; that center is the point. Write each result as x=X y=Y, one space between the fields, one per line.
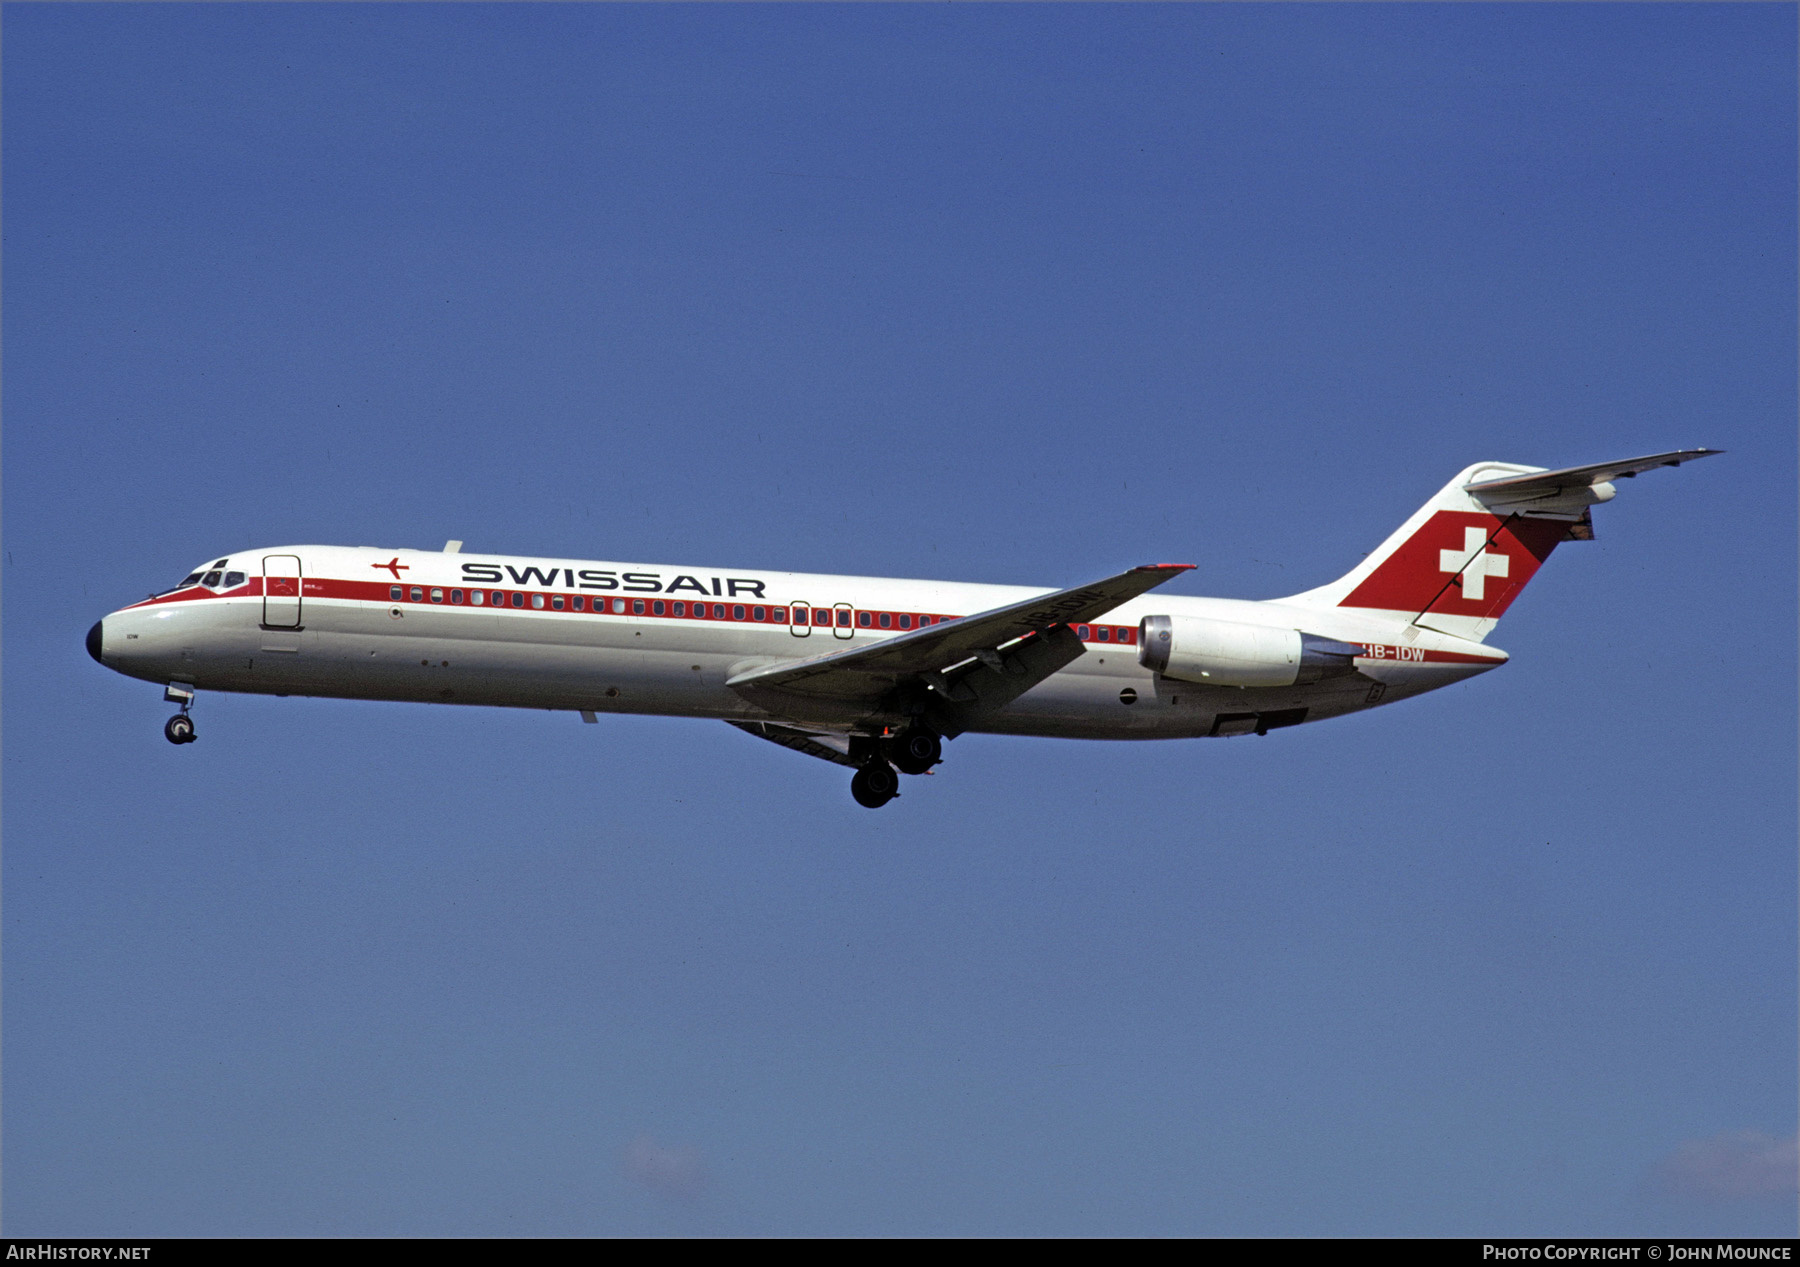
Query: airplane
x=874 y=674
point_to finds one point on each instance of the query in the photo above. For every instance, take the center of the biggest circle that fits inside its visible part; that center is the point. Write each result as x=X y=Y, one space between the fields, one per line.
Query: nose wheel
x=874 y=785
x=180 y=727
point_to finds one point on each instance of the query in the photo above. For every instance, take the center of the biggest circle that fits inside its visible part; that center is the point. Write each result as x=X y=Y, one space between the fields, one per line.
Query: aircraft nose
x=94 y=641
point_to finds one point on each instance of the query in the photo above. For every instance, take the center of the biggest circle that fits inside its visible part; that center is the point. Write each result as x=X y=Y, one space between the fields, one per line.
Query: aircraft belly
x=1401 y=680
x=492 y=658
x=1090 y=706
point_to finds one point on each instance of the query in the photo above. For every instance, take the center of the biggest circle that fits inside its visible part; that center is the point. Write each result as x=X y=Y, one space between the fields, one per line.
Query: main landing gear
x=913 y=751
x=875 y=784
x=180 y=727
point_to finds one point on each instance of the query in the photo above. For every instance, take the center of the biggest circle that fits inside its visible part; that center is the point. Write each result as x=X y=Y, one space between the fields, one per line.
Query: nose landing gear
x=180 y=727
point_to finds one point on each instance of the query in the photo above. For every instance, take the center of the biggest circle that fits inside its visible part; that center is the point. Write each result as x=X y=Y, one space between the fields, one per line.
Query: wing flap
x=826 y=747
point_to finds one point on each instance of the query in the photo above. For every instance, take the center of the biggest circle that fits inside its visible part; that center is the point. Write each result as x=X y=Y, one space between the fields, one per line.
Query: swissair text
x=606 y=579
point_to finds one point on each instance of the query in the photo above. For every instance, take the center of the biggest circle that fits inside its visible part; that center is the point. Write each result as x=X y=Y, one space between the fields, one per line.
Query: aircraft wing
x=975 y=663
x=1549 y=483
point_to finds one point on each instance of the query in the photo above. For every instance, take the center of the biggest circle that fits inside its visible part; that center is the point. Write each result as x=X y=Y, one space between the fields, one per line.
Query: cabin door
x=281 y=591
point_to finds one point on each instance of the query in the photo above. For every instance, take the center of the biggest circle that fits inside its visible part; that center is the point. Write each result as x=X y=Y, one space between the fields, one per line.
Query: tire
x=180 y=729
x=915 y=751
x=875 y=785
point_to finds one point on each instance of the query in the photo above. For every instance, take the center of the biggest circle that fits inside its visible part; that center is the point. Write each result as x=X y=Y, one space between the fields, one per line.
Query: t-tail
x=1462 y=558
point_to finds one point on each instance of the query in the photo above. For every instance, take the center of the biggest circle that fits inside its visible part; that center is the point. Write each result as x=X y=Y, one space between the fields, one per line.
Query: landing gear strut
x=180 y=727
x=875 y=784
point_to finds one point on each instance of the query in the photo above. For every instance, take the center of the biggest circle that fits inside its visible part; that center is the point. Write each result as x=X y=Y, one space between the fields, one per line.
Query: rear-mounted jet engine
x=1225 y=653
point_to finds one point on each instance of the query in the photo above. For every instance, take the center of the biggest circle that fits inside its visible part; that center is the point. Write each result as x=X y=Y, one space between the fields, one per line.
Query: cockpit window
x=192 y=578
x=221 y=563
x=211 y=579
x=233 y=580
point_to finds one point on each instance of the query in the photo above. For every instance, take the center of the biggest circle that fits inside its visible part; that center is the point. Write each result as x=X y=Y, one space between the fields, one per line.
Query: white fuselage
x=599 y=637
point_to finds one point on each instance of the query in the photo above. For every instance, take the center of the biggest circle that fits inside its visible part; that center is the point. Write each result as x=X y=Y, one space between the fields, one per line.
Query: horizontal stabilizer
x=1536 y=484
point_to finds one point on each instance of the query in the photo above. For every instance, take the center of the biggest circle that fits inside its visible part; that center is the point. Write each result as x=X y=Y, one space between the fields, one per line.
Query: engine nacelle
x=1226 y=653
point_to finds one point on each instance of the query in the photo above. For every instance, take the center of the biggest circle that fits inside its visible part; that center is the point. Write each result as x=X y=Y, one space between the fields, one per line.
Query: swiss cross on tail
x=1461 y=564
x=1470 y=567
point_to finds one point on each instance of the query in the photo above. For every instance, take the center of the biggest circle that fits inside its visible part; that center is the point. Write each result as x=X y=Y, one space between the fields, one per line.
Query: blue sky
x=1018 y=294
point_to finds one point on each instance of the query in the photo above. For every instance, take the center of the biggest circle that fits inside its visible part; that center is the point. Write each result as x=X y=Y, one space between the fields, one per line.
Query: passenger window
x=906 y=622
x=618 y=606
x=456 y=596
x=718 y=611
x=233 y=580
x=437 y=596
x=518 y=600
x=478 y=597
x=1081 y=632
x=678 y=609
x=779 y=615
x=578 y=603
x=821 y=616
x=887 y=621
x=862 y=618
x=1105 y=633
x=556 y=601
x=758 y=613
x=211 y=579
x=497 y=598
x=737 y=611
x=656 y=608
x=800 y=614
x=923 y=621
x=637 y=607
x=418 y=595
x=843 y=617
x=396 y=592
x=537 y=601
